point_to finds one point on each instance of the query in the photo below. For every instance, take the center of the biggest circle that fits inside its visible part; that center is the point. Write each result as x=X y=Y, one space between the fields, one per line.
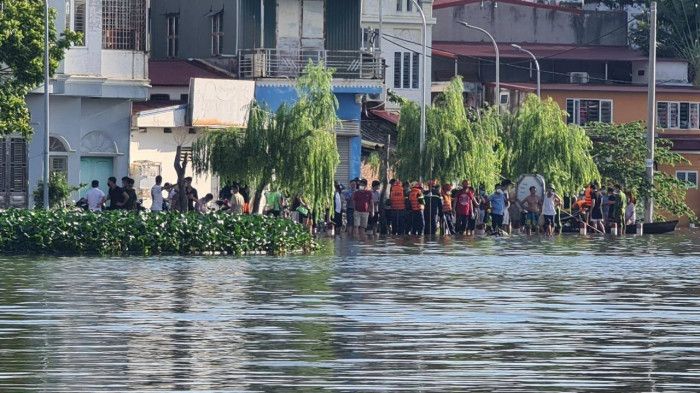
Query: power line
x=493 y=62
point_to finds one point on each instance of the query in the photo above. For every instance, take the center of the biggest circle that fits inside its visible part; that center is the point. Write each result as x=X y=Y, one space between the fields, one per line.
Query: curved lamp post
x=422 y=88
x=497 y=99
x=537 y=64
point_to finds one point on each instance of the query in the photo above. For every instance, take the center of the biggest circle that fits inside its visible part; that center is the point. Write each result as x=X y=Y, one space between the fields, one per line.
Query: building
x=400 y=44
x=91 y=97
x=163 y=122
x=586 y=65
x=270 y=42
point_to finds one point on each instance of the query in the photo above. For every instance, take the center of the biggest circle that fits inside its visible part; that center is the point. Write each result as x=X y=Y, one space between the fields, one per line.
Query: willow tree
x=539 y=141
x=293 y=149
x=620 y=153
x=456 y=148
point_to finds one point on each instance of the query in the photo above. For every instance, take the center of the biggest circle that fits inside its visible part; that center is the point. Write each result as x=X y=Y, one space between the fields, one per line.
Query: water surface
x=512 y=315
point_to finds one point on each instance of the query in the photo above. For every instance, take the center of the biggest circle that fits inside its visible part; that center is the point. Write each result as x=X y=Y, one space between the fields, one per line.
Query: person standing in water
x=532 y=205
x=597 y=218
x=549 y=210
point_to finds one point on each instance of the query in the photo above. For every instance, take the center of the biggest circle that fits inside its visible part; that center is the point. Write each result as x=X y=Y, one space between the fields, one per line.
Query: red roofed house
x=586 y=67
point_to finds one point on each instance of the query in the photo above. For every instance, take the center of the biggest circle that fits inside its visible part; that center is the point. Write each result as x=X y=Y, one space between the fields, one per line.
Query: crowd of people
x=406 y=208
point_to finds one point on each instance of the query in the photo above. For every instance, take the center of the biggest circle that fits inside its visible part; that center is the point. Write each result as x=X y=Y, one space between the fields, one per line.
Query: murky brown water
x=512 y=315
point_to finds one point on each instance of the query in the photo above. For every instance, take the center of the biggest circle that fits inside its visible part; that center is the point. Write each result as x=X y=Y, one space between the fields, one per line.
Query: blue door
x=95 y=168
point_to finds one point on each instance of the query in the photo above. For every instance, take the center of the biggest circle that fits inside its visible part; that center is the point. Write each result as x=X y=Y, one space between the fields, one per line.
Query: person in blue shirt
x=498 y=207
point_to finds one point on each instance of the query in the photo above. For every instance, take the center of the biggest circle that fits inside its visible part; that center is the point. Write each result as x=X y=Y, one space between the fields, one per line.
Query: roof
x=437 y=4
x=630 y=88
x=450 y=49
x=391 y=117
x=152 y=104
x=177 y=72
x=375 y=129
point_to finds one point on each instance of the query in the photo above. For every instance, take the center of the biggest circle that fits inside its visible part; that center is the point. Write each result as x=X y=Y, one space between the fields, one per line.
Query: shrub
x=59 y=191
x=69 y=232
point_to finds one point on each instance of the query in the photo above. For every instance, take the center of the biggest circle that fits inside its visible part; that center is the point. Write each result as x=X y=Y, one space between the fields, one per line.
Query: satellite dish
x=524 y=183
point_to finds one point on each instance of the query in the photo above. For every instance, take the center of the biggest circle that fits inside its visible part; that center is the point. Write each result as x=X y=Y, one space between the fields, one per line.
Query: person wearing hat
x=549 y=210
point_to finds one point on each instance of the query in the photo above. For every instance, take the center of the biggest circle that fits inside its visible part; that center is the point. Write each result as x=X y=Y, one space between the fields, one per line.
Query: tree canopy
x=457 y=147
x=539 y=141
x=293 y=149
x=620 y=153
x=678 y=32
x=22 y=61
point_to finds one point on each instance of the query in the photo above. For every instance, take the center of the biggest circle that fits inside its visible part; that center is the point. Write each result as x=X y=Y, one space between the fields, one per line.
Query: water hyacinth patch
x=69 y=232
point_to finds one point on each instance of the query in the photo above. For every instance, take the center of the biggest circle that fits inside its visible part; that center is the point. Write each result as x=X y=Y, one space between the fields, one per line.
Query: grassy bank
x=63 y=232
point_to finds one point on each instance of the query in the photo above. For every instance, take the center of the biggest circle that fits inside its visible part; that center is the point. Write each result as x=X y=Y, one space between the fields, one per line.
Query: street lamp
x=423 y=89
x=537 y=64
x=497 y=99
x=46 y=104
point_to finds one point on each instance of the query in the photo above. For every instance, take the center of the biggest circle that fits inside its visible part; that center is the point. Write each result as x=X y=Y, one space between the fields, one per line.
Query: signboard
x=220 y=103
x=525 y=182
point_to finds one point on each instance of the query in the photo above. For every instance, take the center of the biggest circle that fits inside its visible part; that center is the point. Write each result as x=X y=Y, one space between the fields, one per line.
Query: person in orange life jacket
x=433 y=210
x=447 y=209
x=417 y=205
x=397 y=202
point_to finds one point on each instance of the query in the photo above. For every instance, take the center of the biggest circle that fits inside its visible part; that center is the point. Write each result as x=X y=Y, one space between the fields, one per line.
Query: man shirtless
x=532 y=205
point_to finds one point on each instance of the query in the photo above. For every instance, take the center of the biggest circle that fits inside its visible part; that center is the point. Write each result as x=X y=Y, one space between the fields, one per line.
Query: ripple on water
x=493 y=315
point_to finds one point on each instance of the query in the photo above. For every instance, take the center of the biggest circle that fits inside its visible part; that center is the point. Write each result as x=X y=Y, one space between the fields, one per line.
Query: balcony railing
x=277 y=63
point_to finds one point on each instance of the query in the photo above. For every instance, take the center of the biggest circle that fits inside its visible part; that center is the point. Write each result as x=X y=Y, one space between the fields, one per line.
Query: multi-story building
x=270 y=42
x=400 y=43
x=91 y=95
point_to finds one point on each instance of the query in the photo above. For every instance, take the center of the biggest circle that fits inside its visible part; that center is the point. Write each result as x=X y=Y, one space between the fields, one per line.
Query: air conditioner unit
x=578 y=77
x=258 y=64
x=504 y=98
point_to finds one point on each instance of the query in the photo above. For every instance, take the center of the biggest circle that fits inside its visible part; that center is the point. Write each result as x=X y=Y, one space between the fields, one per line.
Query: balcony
x=277 y=63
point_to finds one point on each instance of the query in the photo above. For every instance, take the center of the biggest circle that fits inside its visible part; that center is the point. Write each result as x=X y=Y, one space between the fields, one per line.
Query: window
x=409 y=6
x=160 y=97
x=124 y=24
x=690 y=177
x=217 y=34
x=173 y=23
x=399 y=5
x=678 y=115
x=184 y=97
x=79 y=16
x=406 y=70
x=584 y=111
x=58 y=162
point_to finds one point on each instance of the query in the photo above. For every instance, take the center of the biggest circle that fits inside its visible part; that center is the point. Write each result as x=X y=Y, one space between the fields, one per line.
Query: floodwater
x=495 y=315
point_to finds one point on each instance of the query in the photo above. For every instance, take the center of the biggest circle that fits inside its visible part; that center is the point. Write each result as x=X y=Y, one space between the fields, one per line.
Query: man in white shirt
x=95 y=197
x=157 y=195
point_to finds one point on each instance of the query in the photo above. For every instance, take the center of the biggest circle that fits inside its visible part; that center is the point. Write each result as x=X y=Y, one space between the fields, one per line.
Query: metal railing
x=278 y=63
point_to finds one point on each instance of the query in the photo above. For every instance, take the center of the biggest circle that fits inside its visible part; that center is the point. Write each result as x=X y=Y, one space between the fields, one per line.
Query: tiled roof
x=177 y=72
x=375 y=129
x=450 y=49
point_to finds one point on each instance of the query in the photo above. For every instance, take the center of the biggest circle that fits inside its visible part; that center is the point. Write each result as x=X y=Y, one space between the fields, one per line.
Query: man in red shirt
x=464 y=207
x=364 y=206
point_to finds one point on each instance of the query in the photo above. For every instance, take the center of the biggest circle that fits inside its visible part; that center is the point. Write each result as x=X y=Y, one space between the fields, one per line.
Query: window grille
x=124 y=24
x=173 y=27
x=217 y=33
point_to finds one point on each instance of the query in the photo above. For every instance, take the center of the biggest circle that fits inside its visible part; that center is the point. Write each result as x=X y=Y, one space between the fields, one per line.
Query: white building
x=92 y=93
x=401 y=43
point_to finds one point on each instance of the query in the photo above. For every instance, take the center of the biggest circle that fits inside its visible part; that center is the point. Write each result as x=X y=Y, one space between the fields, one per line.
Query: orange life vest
x=414 y=197
x=588 y=197
x=446 y=202
x=397 y=198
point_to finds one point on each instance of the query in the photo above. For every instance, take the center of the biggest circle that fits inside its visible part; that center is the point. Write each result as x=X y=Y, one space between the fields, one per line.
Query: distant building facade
x=91 y=96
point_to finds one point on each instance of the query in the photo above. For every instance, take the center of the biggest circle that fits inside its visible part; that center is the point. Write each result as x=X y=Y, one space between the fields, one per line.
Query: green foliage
x=678 y=32
x=620 y=153
x=59 y=191
x=374 y=161
x=456 y=147
x=21 y=59
x=294 y=148
x=68 y=232
x=539 y=141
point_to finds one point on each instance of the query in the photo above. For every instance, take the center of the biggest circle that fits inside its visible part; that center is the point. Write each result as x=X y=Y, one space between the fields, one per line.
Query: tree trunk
x=258 y=197
x=180 y=168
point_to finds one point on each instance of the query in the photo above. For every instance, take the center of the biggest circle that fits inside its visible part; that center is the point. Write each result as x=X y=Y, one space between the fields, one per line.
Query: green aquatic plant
x=70 y=232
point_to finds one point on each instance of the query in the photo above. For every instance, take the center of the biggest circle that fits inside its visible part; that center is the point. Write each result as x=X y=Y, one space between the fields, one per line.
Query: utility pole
x=46 y=105
x=424 y=90
x=651 y=113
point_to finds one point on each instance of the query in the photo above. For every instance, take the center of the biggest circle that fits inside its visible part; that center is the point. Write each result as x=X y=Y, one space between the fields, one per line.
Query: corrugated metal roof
x=551 y=51
x=598 y=87
x=177 y=72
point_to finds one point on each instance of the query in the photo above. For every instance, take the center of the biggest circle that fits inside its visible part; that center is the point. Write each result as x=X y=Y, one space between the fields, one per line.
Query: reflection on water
x=565 y=314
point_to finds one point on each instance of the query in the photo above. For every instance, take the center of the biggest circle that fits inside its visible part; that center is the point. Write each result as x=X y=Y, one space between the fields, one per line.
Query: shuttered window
x=415 y=67
x=678 y=115
x=13 y=172
x=397 y=70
